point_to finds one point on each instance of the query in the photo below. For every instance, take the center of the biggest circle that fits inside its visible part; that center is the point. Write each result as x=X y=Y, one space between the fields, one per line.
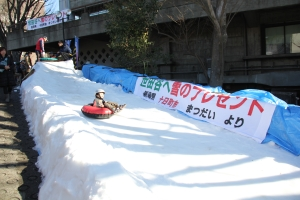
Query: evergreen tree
x=129 y=27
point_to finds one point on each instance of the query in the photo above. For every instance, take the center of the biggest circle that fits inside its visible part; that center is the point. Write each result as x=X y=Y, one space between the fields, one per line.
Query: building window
x=282 y=39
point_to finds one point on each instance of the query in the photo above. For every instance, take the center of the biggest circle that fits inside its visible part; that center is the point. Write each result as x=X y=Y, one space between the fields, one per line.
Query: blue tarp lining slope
x=284 y=129
x=108 y=75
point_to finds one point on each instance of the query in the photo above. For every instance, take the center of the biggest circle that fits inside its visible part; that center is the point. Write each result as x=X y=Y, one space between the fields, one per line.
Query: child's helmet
x=99 y=91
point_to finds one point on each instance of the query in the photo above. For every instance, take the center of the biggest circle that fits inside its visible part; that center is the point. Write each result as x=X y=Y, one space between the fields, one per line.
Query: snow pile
x=143 y=152
x=285 y=123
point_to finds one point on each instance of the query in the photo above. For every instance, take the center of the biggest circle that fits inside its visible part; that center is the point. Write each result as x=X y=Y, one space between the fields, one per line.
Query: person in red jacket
x=40 y=48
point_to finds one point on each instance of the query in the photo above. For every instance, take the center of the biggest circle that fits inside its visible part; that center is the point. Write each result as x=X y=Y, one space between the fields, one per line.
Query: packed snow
x=144 y=152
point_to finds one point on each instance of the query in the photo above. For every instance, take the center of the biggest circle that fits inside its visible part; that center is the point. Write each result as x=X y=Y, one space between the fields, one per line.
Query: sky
x=143 y=152
x=52 y=6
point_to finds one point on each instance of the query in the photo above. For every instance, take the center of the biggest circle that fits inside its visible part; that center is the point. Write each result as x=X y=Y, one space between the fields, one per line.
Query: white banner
x=46 y=21
x=242 y=115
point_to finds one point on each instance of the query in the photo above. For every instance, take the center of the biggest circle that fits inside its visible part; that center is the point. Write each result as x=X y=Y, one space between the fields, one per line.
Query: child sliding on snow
x=101 y=103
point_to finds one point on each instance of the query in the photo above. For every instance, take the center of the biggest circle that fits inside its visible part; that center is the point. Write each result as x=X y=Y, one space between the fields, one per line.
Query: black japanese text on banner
x=45 y=21
x=239 y=114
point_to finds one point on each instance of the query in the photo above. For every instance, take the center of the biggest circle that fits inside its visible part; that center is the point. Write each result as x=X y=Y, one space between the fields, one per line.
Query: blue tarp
x=108 y=75
x=284 y=129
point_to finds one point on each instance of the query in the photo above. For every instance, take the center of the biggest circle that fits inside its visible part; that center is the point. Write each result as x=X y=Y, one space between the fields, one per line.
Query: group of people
x=8 y=68
x=8 y=71
x=64 y=52
x=7 y=74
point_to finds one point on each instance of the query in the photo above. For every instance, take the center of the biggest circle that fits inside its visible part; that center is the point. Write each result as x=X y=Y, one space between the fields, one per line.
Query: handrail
x=89 y=5
x=237 y=69
x=275 y=56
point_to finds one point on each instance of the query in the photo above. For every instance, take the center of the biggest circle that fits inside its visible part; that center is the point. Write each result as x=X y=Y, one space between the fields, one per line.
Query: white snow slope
x=144 y=152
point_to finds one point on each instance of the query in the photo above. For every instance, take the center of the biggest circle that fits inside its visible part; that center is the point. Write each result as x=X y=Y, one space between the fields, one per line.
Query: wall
x=185 y=66
x=242 y=55
x=172 y=7
x=86 y=26
x=94 y=25
x=254 y=46
x=235 y=47
x=82 y=3
x=96 y=52
x=64 y=4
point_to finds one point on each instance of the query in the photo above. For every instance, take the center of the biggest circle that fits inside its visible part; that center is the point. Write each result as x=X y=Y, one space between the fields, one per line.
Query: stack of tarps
x=284 y=129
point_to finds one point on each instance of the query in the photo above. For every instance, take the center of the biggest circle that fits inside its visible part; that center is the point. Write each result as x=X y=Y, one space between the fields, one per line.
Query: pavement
x=19 y=176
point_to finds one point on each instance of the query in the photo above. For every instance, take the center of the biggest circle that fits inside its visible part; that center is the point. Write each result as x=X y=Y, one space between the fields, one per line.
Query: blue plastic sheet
x=284 y=129
x=109 y=75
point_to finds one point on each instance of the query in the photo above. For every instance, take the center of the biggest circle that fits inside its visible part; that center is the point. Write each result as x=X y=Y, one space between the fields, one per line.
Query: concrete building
x=262 y=52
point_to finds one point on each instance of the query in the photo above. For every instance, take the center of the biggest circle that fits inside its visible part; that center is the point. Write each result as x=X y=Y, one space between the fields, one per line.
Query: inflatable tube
x=96 y=112
x=48 y=59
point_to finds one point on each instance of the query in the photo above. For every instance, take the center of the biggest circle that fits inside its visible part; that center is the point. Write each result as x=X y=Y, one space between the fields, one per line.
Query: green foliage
x=129 y=27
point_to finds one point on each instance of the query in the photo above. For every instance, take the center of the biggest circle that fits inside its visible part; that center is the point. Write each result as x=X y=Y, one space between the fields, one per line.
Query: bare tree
x=190 y=34
x=16 y=12
x=216 y=11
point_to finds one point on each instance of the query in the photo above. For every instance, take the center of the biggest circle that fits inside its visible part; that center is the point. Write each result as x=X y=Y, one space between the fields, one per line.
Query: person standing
x=7 y=73
x=40 y=48
x=28 y=63
x=22 y=68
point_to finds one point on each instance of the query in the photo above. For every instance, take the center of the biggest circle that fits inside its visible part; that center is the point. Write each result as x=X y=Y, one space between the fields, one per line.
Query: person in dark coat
x=65 y=52
x=7 y=73
x=28 y=63
x=101 y=103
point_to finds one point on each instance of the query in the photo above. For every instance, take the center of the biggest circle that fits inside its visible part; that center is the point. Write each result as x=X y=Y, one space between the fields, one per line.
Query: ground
x=19 y=177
